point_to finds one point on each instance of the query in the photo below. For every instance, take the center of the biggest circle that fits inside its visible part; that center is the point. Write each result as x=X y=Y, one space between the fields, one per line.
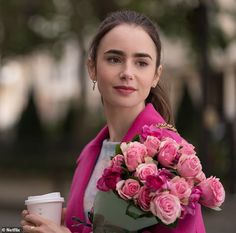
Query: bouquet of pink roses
x=161 y=177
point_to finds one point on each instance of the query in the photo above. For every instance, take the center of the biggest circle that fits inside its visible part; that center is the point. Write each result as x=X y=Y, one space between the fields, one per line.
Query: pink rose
x=200 y=177
x=189 y=166
x=109 y=178
x=186 y=148
x=134 y=154
x=192 y=203
x=166 y=207
x=160 y=181
x=128 y=189
x=151 y=130
x=180 y=188
x=213 y=193
x=152 y=143
x=117 y=161
x=165 y=174
x=144 y=170
x=154 y=183
x=144 y=198
x=167 y=152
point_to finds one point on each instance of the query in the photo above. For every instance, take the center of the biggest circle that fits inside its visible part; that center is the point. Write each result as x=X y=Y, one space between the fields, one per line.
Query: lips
x=125 y=90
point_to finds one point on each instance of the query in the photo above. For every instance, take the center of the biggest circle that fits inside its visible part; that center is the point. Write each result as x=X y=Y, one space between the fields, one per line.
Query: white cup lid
x=49 y=197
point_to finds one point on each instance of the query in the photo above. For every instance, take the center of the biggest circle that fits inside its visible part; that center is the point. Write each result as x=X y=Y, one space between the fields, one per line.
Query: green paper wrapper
x=110 y=215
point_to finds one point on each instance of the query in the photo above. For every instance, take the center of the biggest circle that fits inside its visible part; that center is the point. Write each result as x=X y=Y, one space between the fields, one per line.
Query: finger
x=30 y=229
x=35 y=219
x=23 y=223
x=24 y=213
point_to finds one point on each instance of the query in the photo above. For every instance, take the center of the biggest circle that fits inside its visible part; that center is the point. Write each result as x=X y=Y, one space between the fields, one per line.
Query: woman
x=124 y=62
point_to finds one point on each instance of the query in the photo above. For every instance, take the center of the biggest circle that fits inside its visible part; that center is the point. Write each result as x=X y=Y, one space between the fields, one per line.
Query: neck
x=119 y=120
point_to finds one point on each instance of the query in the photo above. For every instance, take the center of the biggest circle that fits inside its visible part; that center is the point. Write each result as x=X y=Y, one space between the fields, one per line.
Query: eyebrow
x=121 y=53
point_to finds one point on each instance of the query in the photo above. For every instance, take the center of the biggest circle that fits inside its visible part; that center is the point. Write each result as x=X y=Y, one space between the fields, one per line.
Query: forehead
x=128 y=38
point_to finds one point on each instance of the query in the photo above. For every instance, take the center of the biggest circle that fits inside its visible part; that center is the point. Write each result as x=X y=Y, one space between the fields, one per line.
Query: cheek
x=145 y=87
x=147 y=78
x=103 y=83
x=104 y=74
x=102 y=77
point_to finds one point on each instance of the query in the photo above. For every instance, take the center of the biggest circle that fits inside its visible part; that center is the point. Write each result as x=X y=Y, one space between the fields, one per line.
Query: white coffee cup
x=48 y=206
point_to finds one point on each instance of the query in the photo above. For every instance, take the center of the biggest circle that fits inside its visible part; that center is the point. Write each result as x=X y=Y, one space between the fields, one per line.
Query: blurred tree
x=16 y=34
x=30 y=127
x=192 y=120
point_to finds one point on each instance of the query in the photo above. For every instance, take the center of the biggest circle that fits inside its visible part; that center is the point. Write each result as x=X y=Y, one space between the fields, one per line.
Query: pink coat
x=86 y=163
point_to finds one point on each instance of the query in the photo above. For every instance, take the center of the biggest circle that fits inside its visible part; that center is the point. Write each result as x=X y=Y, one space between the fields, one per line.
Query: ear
x=91 y=69
x=157 y=76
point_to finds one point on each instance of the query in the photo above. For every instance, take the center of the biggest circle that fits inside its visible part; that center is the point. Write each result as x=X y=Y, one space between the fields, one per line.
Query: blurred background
x=48 y=110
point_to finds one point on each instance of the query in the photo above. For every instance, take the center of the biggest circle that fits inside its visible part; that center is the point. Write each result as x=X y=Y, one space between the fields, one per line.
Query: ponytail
x=159 y=99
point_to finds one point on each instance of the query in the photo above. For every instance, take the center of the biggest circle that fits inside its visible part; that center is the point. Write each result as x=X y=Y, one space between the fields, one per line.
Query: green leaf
x=136 y=138
x=118 y=149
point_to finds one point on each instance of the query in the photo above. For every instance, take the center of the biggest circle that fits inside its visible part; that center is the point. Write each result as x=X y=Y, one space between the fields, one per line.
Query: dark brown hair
x=157 y=95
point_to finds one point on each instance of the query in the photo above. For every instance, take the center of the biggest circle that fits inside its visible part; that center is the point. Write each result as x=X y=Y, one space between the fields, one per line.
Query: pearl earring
x=94 y=84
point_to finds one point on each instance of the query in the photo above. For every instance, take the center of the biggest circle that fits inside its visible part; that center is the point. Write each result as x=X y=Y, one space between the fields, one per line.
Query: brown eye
x=114 y=60
x=142 y=63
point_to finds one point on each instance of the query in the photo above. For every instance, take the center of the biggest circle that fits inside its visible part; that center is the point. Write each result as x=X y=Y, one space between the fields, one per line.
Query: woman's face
x=126 y=67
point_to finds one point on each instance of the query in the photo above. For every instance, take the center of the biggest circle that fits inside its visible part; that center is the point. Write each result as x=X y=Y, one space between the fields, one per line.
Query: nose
x=127 y=71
